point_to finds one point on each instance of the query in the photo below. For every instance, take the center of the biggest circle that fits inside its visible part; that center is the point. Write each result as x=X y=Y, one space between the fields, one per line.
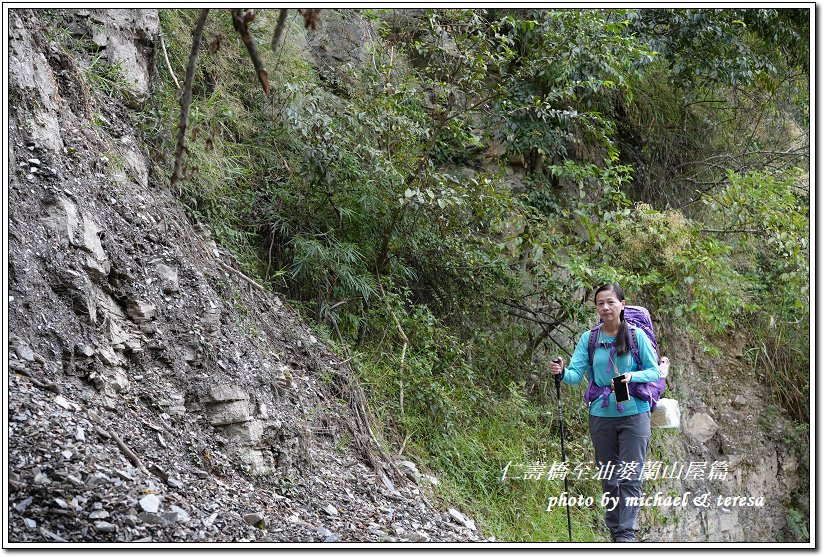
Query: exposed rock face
x=730 y=452
x=127 y=37
x=154 y=396
x=340 y=44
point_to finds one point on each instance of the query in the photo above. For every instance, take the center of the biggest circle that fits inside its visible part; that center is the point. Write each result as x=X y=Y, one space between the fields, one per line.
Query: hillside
x=153 y=393
x=336 y=327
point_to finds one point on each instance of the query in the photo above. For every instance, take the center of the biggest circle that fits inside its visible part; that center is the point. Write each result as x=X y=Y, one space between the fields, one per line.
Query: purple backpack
x=636 y=316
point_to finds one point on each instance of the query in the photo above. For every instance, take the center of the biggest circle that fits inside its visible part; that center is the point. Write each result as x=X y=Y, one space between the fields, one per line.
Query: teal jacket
x=578 y=368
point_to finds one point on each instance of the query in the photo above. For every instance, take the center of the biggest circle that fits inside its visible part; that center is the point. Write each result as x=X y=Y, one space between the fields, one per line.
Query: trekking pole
x=563 y=451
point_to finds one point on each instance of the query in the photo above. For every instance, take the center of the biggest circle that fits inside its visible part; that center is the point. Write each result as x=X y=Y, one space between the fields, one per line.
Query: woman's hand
x=663 y=366
x=556 y=366
x=627 y=378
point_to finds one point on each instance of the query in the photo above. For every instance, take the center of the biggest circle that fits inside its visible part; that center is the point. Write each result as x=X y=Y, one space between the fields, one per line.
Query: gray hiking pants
x=618 y=441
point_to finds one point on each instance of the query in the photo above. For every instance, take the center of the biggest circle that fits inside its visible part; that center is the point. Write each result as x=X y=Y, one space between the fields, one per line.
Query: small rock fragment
x=103 y=526
x=150 y=503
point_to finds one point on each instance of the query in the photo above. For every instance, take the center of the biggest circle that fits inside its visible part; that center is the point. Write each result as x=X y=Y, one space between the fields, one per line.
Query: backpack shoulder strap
x=633 y=344
x=593 y=342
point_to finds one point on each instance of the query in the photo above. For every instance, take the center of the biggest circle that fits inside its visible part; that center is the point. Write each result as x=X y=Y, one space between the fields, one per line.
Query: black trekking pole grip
x=558 y=377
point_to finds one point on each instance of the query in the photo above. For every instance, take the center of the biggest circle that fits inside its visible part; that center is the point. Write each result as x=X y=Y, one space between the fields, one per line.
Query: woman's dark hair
x=622 y=337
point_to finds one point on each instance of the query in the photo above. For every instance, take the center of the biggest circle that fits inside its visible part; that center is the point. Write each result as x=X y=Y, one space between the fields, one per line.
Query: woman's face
x=609 y=306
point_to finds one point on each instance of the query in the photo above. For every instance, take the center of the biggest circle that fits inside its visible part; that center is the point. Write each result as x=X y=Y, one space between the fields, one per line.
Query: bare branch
x=186 y=100
x=240 y=21
x=279 y=28
x=168 y=65
x=731 y=231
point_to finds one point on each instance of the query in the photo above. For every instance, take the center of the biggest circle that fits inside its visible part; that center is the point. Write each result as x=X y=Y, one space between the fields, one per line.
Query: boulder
x=224 y=393
x=229 y=413
x=702 y=427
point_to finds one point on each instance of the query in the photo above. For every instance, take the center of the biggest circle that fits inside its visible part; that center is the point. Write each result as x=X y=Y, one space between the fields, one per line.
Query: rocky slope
x=154 y=393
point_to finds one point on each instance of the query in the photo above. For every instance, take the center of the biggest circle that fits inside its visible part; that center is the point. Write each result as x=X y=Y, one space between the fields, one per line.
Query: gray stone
x=182 y=515
x=255 y=519
x=30 y=524
x=111 y=381
x=152 y=518
x=171 y=517
x=109 y=357
x=229 y=412
x=140 y=311
x=24 y=352
x=702 y=427
x=461 y=519
x=52 y=535
x=225 y=393
x=150 y=503
x=103 y=526
x=99 y=514
x=84 y=350
x=91 y=242
x=62 y=217
x=254 y=459
x=247 y=432
x=330 y=510
x=169 y=281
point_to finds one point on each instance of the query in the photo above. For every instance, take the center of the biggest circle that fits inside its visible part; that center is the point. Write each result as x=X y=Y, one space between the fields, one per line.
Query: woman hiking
x=620 y=432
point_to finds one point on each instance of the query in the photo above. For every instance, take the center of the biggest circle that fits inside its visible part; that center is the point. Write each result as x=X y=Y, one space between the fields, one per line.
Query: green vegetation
x=664 y=149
